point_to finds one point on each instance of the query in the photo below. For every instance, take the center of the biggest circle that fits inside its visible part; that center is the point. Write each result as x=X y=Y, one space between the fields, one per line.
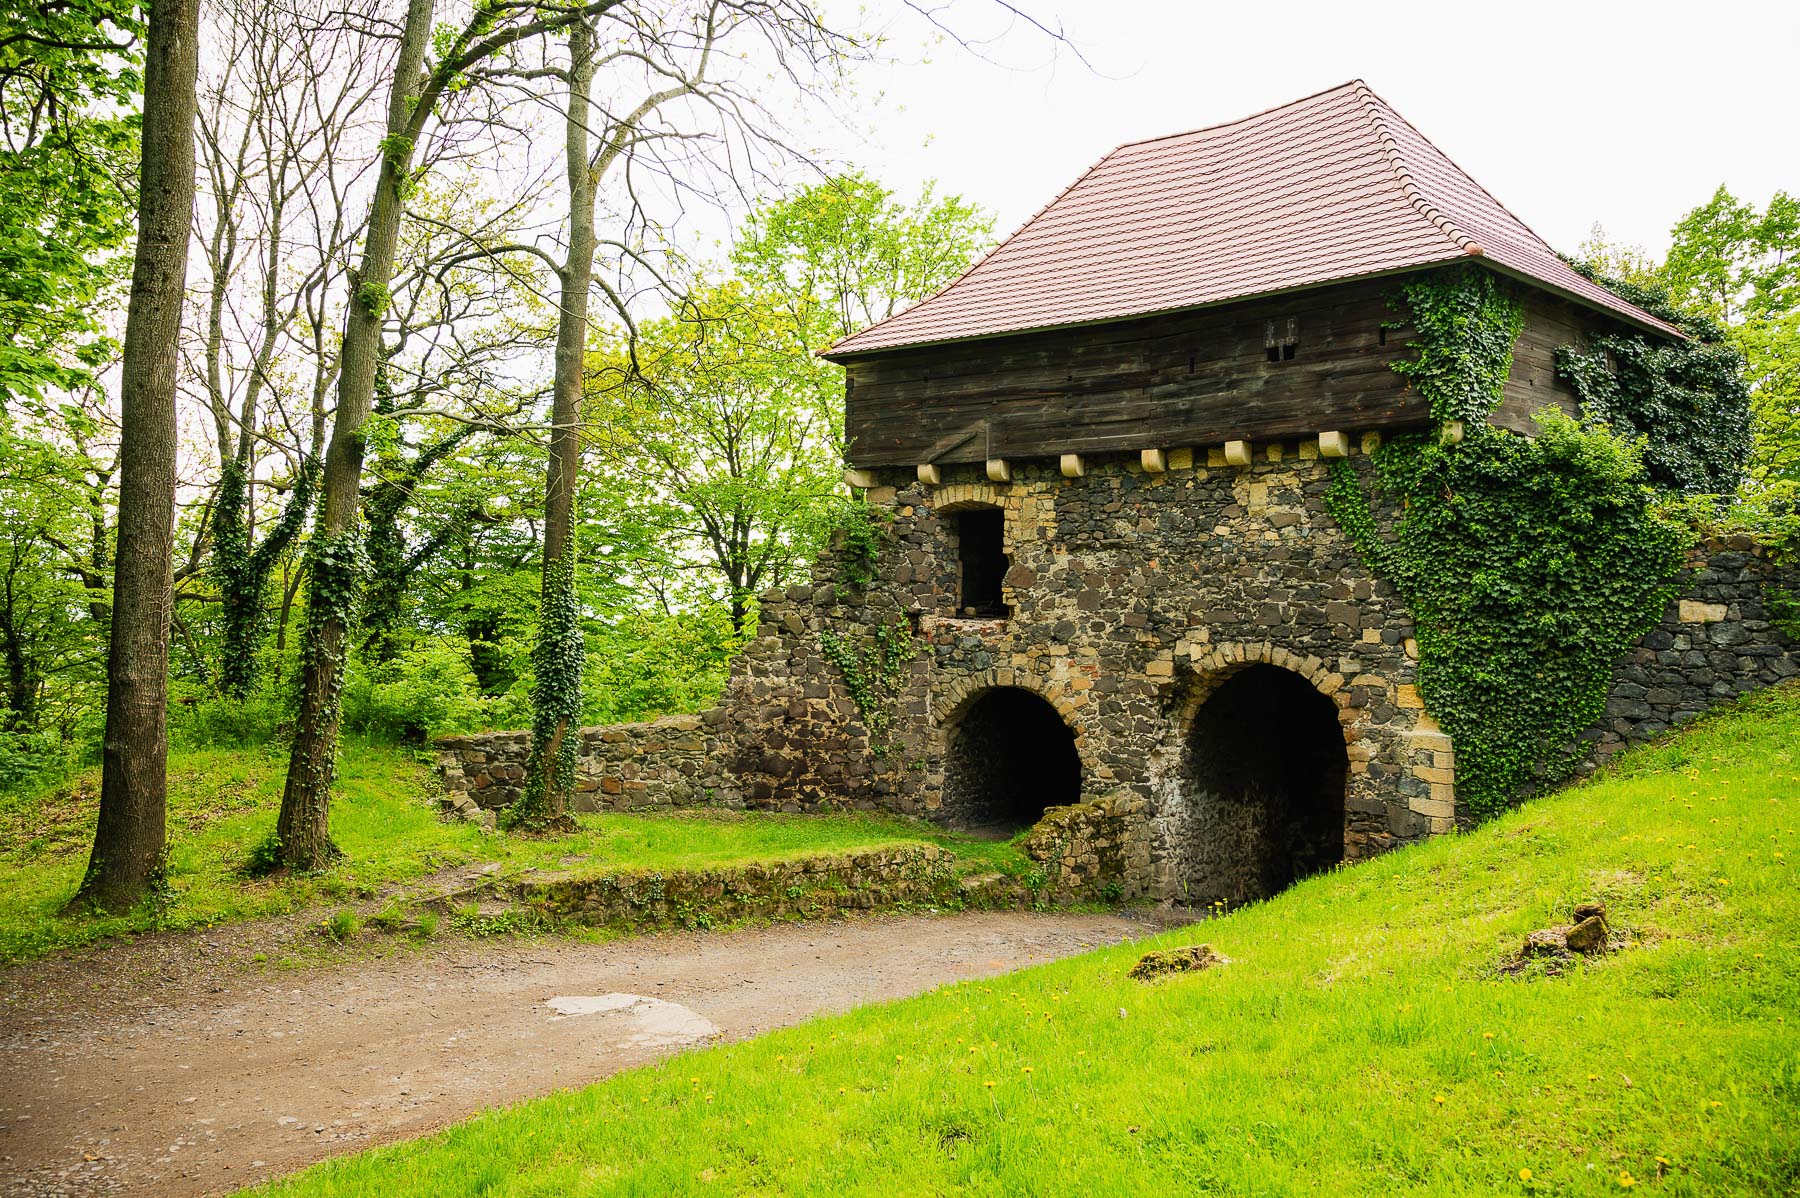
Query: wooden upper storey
x=1268 y=369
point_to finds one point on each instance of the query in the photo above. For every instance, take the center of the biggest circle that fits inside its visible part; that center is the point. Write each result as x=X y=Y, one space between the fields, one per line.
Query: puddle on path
x=650 y=1022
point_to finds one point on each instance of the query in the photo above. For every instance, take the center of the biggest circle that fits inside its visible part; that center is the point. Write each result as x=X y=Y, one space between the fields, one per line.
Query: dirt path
x=150 y=1069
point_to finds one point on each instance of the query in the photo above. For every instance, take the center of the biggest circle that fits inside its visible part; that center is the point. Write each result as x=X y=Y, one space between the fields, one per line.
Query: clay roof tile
x=1332 y=187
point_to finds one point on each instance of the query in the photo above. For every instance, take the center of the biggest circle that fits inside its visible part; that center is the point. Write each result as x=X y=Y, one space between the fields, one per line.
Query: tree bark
x=131 y=839
x=559 y=654
x=303 y=828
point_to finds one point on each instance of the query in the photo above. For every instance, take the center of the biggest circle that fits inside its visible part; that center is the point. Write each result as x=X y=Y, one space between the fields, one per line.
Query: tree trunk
x=560 y=655
x=130 y=842
x=334 y=556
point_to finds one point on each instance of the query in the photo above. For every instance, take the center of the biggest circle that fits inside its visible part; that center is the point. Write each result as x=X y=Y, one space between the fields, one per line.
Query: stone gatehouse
x=1108 y=582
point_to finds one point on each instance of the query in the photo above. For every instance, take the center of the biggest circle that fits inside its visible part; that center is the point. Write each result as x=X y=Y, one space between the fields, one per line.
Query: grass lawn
x=1360 y=1040
x=224 y=801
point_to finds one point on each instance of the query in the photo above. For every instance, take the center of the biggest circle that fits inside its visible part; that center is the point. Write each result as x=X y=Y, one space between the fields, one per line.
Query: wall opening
x=1009 y=757
x=1265 y=775
x=980 y=559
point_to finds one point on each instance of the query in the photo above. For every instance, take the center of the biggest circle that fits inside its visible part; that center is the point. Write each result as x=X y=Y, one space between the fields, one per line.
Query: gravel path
x=174 y=1066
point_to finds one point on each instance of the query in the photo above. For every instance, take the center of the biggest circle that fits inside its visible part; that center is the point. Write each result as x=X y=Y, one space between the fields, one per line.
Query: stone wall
x=1099 y=850
x=676 y=761
x=1133 y=597
x=1715 y=643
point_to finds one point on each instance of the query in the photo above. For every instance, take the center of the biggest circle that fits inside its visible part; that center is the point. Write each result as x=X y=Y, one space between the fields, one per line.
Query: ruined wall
x=1133 y=597
x=1715 y=643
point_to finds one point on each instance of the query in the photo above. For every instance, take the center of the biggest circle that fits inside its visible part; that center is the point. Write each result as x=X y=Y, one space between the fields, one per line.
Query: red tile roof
x=1328 y=188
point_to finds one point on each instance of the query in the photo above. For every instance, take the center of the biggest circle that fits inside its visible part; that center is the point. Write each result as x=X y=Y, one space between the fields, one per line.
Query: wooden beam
x=862 y=480
x=1237 y=453
x=1334 y=445
x=999 y=470
x=929 y=474
x=1154 y=461
x=1072 y=465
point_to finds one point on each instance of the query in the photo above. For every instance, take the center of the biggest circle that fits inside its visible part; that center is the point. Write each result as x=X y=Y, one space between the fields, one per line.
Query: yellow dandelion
x=1487 y=1035
x=1626 y=1181
x=1524 y=1174
x=1028 y=1069
x=989 y=1085
x=1438 y=1098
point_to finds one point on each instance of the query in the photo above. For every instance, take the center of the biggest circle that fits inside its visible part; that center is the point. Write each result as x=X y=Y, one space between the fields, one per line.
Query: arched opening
x=1010 y=756
x=1266 y=771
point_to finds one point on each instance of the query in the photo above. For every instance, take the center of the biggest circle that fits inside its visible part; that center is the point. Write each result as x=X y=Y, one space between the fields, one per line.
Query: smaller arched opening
x=1265 y=774
x=1009 y=757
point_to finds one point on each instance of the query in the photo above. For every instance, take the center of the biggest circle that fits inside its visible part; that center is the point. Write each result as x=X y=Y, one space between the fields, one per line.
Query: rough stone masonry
x=1195 y=656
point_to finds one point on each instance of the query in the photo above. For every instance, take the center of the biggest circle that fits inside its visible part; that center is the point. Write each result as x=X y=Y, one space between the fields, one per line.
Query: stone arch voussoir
x=1212 y=665
x=953 y=698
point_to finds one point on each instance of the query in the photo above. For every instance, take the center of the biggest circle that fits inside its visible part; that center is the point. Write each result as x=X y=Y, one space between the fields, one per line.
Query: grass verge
x=222 y=804
x=1360 y=1041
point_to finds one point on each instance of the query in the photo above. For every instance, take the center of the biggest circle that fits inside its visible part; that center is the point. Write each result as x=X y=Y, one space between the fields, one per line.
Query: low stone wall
x=1095 y=851
x=1715 y=643
x=676 y=761
x=803 y=888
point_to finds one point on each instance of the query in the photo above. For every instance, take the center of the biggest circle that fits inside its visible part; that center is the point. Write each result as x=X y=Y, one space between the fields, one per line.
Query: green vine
x=335 y=569
x=1466 y=321
x=872 y=674
x=1529 y=564
x=242 y=573
x=861 y=535
x=558 y=659
x=1687 y=400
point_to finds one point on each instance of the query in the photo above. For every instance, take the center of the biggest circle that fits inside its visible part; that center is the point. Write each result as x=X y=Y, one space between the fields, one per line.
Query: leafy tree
x=70 y=74
x=722 y=417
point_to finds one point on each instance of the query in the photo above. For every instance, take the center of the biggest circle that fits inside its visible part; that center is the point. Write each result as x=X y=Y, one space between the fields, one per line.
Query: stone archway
x=1264 y=774
x=1008 y=756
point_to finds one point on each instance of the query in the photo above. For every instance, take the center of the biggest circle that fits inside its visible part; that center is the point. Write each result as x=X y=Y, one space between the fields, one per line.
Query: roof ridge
x=1371 y=106
x=1479 y=185
x=1273 y=108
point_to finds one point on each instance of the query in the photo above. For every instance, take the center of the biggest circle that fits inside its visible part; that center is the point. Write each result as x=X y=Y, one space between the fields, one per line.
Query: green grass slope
x=223 y=802
x=1360 y=1041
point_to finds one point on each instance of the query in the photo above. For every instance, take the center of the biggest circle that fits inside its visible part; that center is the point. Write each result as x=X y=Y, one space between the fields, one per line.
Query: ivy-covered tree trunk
x=334 y=558
x=242 y=572
x=559 y=655
x=130 y=841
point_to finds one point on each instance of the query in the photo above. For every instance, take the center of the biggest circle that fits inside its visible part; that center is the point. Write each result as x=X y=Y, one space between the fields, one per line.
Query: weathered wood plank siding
x=1194 y=378
x=1550 y=322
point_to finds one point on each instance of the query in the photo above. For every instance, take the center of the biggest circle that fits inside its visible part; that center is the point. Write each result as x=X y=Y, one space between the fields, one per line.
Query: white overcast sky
x=1570 y=113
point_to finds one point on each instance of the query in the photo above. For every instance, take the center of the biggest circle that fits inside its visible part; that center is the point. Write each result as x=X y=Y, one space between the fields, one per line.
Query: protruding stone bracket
x=999 y=470
x=862 y=480
x=1237 y=453
x=1154 y=461
x=930 y=475
x=1451 y=433
x=1072 y=465
x=1334 y=445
